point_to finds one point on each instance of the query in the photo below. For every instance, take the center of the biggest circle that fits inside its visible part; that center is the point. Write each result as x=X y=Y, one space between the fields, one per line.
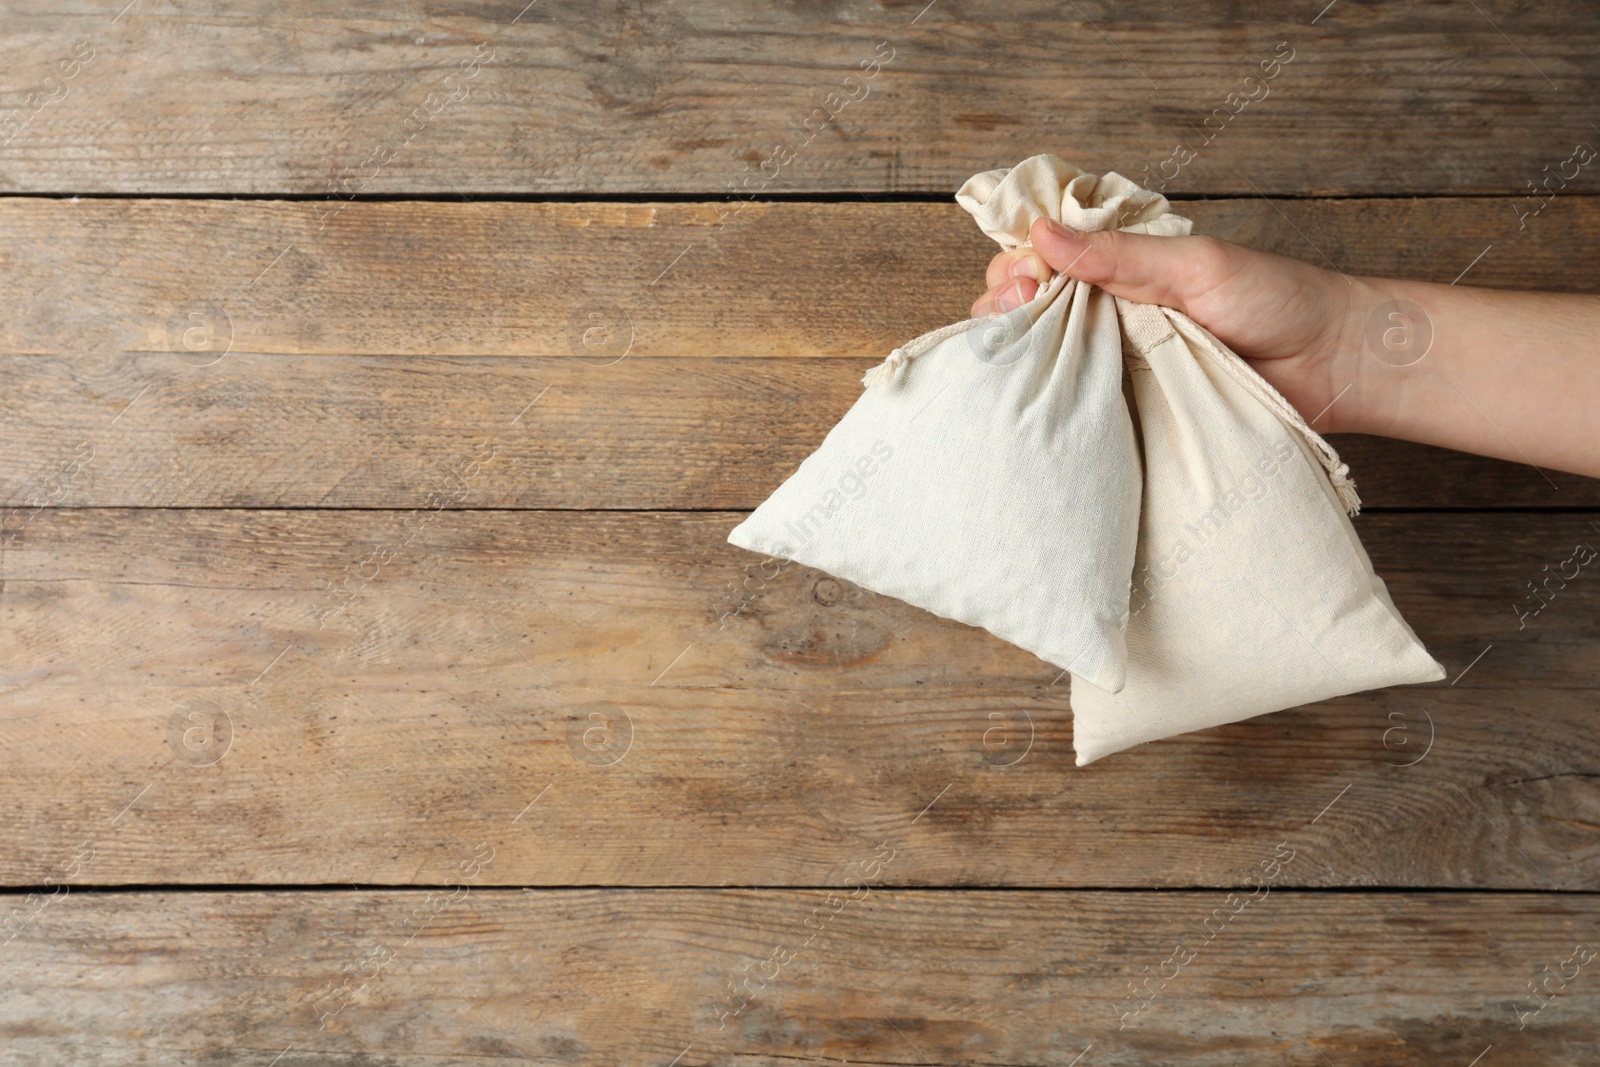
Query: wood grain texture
x=685 y=755
x=165 y=671
x=579 y=977
x=600 y=281
x=384 y=432
x=618 y=98
x=639 y=333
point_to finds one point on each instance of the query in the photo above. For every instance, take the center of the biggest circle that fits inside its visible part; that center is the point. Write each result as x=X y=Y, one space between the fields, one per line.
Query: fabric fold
x=1103 y=484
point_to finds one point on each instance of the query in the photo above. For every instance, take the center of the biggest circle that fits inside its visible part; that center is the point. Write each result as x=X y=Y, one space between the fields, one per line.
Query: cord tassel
x=884 y=371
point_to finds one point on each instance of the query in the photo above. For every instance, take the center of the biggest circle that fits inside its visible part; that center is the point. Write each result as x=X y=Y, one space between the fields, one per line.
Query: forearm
x=1514 y=375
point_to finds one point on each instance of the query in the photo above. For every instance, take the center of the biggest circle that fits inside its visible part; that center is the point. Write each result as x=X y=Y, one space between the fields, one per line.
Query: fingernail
x=1026 y=267
x=1013 y=296
x=1061 y=229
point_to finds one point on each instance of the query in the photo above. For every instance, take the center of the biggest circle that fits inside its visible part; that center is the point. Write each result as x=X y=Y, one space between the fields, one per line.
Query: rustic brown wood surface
x=333 y=693
x=377 y=686
x=757 y=979
x=600 y=281
x=381 y=431
x=700 y=97
x=160 y=334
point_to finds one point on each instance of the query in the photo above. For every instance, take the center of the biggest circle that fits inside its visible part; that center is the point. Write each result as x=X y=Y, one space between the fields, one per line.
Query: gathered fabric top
x=1007 y=202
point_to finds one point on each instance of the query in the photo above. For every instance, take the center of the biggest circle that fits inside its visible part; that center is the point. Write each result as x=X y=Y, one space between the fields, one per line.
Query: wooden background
x=377 y=686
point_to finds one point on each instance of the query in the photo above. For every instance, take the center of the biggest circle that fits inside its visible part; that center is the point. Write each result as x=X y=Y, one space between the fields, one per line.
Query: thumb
x=1169 y=271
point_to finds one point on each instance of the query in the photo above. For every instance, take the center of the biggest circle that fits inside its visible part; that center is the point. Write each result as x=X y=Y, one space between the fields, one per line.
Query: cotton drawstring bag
x=995 y=480
x=1106 y=485
x=1251 y=591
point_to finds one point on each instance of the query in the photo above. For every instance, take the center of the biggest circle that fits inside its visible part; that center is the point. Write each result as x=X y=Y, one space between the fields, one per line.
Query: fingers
x=1013 y=279
x=1005 y=297
x=1017 y=263
x=1176 y=272
x=1172 y=271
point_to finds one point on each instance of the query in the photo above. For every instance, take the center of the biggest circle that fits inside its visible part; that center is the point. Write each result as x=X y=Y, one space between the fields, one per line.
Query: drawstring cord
x=1234 y=365
x=883 y=372
x=1258 y=387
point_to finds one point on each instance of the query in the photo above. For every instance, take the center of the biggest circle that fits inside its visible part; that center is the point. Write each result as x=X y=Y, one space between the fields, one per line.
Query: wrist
x=1385 y=351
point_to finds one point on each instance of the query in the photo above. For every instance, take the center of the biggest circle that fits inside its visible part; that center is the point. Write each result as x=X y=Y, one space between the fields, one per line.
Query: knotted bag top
x=1006 y=203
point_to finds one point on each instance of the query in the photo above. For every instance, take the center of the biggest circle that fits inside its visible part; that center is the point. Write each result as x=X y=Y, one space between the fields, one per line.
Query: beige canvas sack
x=1104 y=484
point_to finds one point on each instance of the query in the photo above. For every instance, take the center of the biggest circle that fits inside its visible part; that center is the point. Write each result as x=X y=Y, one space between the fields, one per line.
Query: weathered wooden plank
x=323 y=578
x=176 y=307
x=196 y=279
x=383 y=431
x=707 y=98
x=755 y=722
x=452 y=977
x=324 y=780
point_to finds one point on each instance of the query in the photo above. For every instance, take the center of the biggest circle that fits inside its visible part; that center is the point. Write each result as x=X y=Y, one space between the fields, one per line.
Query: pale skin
x=1514 y=375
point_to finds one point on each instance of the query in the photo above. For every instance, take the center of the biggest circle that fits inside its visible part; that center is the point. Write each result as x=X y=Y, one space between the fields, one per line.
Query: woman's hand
x=1508 y=374
x=1301 y=327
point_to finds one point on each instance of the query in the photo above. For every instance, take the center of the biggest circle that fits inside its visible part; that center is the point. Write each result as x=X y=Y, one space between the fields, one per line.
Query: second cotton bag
x=1104 y=484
